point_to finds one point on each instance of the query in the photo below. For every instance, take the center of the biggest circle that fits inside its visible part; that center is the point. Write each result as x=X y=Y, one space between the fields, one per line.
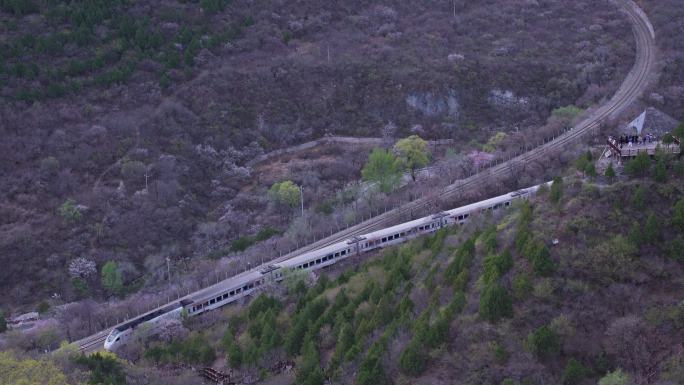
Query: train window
x=343 y=252
x=348 y=251
x=250 y=286
x=403 y=233
x=318 y=261
x=507 y=204
x=212 y=301
x=238 y=290
x=330 y=256
x=232 y=293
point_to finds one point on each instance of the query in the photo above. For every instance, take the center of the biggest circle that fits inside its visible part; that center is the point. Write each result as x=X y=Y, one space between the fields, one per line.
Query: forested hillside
x=582 y=285
x=128 y=125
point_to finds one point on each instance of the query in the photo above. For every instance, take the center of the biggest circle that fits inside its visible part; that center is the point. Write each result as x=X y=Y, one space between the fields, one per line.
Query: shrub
x=286 y=193
x=69 y=212
x=574 y=372
x=104 y=369
x=610 y=172
x=556 y=192
x=639 y=198
x=617 y=377
x=538 y=254
x=501 y=355
x=522 y=285
x=543 y=342
x=413 y=360
x=678 y=214
x=495 y=303
x=112 y=280
x=3 y=322
x=133 y=170
x=43 y=307
x=660 y=171
x=639 y=165
x=496 y=265
x=383 y=169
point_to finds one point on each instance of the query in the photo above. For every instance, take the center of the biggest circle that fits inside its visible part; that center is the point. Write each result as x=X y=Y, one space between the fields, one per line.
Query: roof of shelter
x=651 y=121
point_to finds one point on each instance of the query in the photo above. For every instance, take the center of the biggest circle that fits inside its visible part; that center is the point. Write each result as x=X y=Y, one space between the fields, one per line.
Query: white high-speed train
x=242 y=285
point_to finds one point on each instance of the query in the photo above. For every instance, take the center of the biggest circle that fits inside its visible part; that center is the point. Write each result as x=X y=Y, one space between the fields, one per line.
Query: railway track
x=630 y=89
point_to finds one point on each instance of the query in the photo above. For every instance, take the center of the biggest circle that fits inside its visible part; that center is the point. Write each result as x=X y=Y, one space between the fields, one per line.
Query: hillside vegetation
x=127 y=125
x=490 y=302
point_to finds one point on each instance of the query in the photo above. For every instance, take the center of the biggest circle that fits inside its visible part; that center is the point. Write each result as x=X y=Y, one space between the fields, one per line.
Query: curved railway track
x=630 y=89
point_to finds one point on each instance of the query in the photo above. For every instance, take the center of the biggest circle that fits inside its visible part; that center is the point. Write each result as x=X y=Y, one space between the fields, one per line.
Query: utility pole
x=168 y=268
x=301 y=198
x=147 y=175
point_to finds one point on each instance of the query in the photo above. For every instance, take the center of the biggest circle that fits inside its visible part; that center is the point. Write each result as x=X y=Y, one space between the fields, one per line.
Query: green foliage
x=3 y=322
x=651 y=232
x=43 y=307
x=413 y=360
x=80 y=286
x=556 y=192
x=522 y=285
x=675 y=249
x=617 y=377
x=494 y=142
x=303 y=322
x=678 y=214
x=660 y=171
x=507 y=381
x=610 y=172
x=495 y=303
x=211 y=7
x=496 y=265
x=193 y=350
x=574 y=372
x=111 y=278
x=585 y=164
x=461 y=261
x=104 y=369
x=639 y=165
x=371 y=371
x=543 y=342
x=538 y=254
x=501 y=355
x=287 y=36
x=566 y=113
x=382 y=168
x=310 y=371
x=413 y=153
x=29 y=371
x=242 y=243
x=639 y=198
x=285 y=193
x=69 y=212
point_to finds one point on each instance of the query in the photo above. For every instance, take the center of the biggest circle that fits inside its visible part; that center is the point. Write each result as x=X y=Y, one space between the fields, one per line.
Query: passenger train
x=242 y=285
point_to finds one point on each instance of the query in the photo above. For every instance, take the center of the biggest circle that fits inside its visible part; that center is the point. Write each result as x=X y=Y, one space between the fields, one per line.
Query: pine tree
x=610 y=172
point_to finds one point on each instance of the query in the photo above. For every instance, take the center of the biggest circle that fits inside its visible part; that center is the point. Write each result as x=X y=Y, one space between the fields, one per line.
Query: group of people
x=631 y=140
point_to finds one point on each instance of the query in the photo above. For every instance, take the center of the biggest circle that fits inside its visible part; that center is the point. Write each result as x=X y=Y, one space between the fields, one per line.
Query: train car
x=122 y=333
x=246 y=283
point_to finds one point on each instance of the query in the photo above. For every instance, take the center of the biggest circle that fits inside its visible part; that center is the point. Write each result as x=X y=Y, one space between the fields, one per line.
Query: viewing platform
x=631 y=150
